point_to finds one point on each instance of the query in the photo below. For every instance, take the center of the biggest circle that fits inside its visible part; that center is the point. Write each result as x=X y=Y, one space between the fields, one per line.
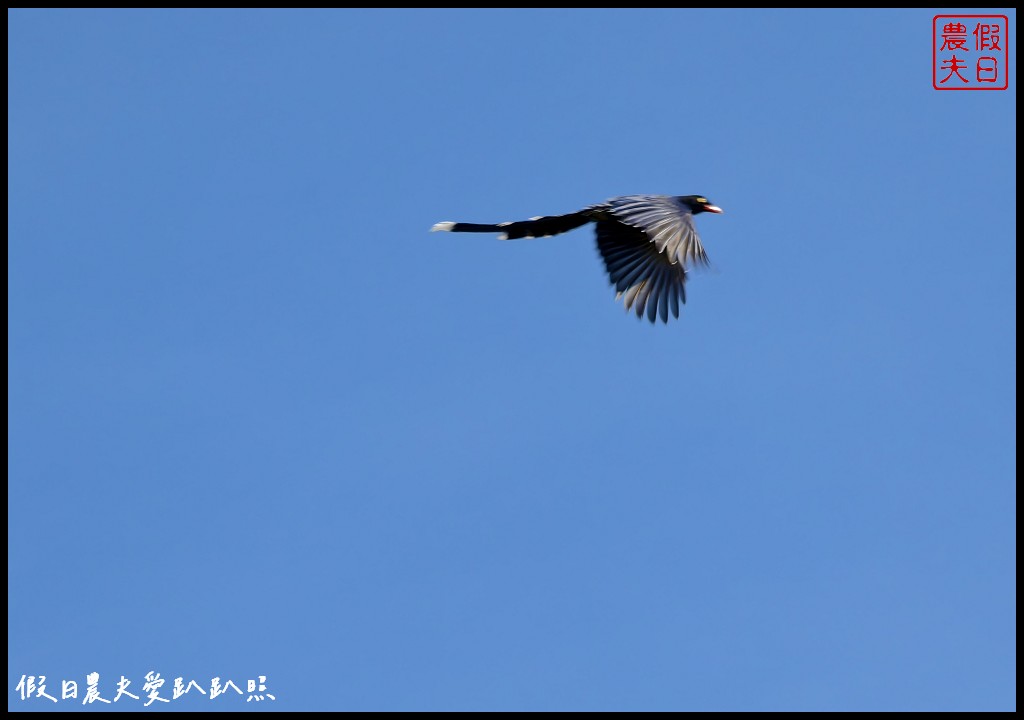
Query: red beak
x=712 y=208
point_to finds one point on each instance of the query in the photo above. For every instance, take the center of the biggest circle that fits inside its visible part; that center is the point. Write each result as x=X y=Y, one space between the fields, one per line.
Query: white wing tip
x=442 y=227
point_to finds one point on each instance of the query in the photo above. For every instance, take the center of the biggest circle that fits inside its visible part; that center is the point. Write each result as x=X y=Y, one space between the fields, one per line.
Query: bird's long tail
x=532 y=228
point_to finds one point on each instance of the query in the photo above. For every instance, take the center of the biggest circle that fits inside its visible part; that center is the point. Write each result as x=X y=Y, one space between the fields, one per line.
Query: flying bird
x=647 y=242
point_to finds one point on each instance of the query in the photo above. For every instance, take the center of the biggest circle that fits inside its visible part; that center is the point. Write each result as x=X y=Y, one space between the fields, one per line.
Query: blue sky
x=261 y=422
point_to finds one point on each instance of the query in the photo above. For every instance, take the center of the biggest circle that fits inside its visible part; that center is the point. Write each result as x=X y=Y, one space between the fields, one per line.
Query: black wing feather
x=646 y=279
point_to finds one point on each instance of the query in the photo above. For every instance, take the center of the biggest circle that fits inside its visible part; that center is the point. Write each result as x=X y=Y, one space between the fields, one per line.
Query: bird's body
x=647 y=243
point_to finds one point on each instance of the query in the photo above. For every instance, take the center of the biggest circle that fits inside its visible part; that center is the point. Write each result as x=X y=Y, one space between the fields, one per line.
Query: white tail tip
x=442 y=227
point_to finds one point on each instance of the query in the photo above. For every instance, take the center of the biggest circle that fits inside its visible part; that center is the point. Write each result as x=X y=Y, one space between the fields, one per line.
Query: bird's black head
x=699 y=204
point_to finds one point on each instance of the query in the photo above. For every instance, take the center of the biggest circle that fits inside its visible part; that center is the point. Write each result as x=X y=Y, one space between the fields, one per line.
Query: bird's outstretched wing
x=642 y=275
x=647 y=242
x=667 y=223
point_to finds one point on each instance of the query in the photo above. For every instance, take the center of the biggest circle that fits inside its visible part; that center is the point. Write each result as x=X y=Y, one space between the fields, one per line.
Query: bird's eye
x=702 y=200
